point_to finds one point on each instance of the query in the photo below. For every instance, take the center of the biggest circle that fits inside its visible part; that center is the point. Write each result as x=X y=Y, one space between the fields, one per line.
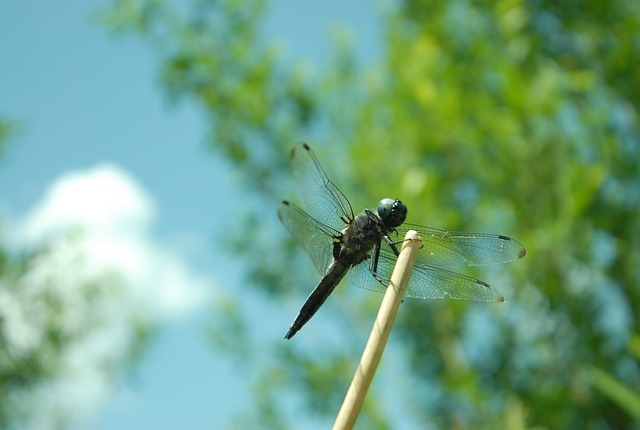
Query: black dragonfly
x=338 y=241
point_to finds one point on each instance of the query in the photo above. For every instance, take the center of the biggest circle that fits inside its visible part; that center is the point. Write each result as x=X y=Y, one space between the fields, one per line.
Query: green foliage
x=7 y=129
x=512 y=117
x=211 y=52
x=49 y=316
x=625 y=397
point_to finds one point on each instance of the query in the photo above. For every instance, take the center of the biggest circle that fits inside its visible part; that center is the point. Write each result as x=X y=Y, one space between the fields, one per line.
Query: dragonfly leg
x=376 y=219
x=392 y=244
x=375 y=257
x=373 y=263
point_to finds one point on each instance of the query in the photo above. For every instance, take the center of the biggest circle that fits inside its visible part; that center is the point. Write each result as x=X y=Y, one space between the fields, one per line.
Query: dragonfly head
x=392 y=212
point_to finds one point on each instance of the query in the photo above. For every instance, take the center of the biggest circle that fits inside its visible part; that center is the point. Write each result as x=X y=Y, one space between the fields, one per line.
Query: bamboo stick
x=361 y=382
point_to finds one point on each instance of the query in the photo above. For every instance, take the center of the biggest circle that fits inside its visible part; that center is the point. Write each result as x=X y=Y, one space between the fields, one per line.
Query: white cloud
x=105 y=199
x=114 y=214
x=108 y=275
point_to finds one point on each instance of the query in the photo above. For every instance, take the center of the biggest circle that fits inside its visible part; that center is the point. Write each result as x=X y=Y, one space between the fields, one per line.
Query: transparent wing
x=313 y=236
x=323 y=201
x=451 y=248
x=427 y=282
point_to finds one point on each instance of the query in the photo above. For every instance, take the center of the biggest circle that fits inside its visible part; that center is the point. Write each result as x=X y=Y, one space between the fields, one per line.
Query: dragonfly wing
x=313 y=236
x=322 y=199
x=426 y=282
x=362 y=277
x=437 y=283
x=451 y=248
x=430 y=282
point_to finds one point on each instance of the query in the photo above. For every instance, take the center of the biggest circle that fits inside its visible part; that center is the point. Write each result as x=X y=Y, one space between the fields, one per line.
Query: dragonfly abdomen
x=331 y=279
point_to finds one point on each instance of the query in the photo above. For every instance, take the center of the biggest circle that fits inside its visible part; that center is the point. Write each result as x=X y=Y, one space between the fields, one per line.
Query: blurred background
x=146 y=283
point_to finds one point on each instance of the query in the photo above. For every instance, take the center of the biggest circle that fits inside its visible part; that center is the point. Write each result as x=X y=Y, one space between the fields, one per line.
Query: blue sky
x=93 y=123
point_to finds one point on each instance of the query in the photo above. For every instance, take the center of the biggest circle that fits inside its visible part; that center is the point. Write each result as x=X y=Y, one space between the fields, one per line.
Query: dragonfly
x=338 y=242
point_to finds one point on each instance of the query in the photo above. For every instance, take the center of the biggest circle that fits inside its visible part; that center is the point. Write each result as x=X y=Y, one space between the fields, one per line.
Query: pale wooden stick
x=352 y=404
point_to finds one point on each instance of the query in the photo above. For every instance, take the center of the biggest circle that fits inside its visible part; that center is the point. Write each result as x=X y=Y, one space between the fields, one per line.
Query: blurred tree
x=7 y=127
x=510 y=116
x=54 y=326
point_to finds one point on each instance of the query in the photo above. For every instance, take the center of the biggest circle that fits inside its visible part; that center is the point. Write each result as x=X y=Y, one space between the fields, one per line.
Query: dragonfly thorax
x=392 y=212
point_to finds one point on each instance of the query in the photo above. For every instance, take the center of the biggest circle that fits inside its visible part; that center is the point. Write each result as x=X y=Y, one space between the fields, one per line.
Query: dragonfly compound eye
x=392 y=212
